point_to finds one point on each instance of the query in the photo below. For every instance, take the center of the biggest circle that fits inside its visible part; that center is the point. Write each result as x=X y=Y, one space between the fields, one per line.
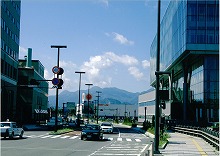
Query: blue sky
x=108 y=39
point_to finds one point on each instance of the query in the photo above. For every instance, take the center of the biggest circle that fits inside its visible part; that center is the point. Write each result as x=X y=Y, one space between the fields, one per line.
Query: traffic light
x=57 y=81
x=163 y=104
x=34 y=82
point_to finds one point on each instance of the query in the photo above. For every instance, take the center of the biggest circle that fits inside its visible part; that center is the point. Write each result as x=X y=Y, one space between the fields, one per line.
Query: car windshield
x=5 y=124
x=92 y=127
x=106 y=124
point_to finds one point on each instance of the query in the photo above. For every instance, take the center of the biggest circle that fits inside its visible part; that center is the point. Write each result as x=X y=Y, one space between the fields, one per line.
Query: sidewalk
x=182 y=144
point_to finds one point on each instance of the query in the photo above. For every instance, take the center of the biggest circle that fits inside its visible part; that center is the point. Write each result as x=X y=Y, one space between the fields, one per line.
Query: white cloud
x=136 y=72
x=121 y=39
x=96 y=65
x=124 y=59
x=145 y=64
x=105 y=2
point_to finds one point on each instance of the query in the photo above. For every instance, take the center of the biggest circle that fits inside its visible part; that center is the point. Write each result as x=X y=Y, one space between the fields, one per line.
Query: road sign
x=55 y=81
x=55 y=70
x=88 y=96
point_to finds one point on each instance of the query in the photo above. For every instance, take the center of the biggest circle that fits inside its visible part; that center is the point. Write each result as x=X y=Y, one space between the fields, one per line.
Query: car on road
x=92 y=132
x=107 y=127
x=10 y=129
x=51 y=122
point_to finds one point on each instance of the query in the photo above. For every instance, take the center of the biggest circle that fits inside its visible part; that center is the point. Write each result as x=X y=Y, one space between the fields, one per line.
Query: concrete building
x=10 y=35
x=32 y=100
x=189 y=50
x=146 y=106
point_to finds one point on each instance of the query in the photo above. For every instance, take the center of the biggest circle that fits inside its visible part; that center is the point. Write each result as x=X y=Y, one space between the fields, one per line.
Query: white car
x=107 y=127
x=10 y=129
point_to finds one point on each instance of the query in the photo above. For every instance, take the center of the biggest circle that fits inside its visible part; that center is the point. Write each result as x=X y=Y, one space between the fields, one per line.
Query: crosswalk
x=120 y=139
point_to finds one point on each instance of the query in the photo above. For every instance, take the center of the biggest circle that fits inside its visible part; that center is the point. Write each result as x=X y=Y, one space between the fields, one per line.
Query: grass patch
x=163 y=137
x=61 y=131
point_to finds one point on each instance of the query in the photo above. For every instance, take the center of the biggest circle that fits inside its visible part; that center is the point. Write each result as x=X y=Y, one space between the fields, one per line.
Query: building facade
x=10 y=35
x=189 y=50
x=32 y=99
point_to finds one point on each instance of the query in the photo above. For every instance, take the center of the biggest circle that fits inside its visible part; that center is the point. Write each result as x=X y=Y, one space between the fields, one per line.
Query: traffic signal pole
x=58 y=58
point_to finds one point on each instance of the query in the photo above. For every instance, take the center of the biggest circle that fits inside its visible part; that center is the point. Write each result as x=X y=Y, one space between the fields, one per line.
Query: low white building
x=147 y=101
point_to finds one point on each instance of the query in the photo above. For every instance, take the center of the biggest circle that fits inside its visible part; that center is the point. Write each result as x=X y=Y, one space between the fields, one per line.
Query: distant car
x=92 y=132
x=107 y=127
x=51 y=122
x=10 y=129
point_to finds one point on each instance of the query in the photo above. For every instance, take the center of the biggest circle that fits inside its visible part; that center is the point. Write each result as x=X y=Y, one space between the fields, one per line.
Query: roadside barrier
x=208 y=135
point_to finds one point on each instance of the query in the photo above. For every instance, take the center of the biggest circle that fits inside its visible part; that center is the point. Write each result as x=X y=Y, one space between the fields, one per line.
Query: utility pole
x=88 y=97
x=78 y=115
x=98 y=106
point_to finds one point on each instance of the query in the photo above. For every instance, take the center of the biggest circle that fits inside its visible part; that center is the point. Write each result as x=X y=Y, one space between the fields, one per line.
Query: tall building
x=189 y=49
x=10 y=34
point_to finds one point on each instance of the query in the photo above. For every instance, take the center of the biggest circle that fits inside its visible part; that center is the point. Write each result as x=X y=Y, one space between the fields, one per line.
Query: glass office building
x=10 y=34
x=189 y=49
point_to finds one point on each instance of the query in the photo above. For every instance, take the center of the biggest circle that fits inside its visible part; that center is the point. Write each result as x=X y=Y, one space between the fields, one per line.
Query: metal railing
x=212 y=137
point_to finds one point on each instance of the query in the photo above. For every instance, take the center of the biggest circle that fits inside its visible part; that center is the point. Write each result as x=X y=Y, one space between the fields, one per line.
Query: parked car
x=10 y=129
x=107 y=127
x=92 y=132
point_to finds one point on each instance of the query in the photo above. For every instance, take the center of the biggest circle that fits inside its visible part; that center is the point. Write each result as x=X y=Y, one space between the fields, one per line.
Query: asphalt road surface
x=124 y=141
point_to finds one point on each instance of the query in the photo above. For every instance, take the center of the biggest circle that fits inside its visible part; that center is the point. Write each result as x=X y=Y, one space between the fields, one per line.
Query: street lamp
x=78 y=115
x=58 y=58
x=88 y=97
x=98 y=106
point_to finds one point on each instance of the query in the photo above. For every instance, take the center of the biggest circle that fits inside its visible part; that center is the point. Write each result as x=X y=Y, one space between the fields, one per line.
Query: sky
x=108 y=39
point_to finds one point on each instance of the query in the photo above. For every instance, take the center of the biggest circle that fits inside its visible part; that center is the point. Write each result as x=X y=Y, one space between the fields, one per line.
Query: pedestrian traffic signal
x=163 y=104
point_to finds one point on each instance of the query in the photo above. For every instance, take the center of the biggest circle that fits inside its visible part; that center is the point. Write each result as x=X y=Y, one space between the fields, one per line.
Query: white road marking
x=138 y=140
x=128 y=139
x=47 y=136
x=64 y=137
x=74 y=137
x=119 y=139
x=56 y=136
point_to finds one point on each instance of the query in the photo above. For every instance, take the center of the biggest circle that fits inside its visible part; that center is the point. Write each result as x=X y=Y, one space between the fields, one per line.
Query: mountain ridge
x=109 y=95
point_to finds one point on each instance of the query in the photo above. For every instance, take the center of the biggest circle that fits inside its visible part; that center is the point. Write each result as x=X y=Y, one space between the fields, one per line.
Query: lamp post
x=157 y=101
x=58 y=58
x=88 y=97
x=98 y=106
x=78 y=115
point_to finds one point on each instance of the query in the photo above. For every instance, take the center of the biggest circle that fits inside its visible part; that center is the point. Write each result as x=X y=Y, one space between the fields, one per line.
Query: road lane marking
x=138 y=140
x=110 y=139
x=64 y=137
x=74 y=137
x=47 y=136
x=199 y=148
x=128 y=139
x=119 y=139
x=56 y=136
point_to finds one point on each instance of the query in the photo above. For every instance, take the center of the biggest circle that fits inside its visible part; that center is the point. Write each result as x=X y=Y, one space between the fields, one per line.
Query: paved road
x=124 y=141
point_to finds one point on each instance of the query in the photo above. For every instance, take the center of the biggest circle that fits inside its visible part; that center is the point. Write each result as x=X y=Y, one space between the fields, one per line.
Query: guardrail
x=210 y=136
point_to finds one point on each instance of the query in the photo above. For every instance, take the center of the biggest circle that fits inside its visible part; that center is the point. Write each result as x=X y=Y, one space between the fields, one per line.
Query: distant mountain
x=107 y=96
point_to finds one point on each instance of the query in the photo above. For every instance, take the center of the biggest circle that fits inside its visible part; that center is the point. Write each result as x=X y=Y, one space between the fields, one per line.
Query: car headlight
x=83 y=133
